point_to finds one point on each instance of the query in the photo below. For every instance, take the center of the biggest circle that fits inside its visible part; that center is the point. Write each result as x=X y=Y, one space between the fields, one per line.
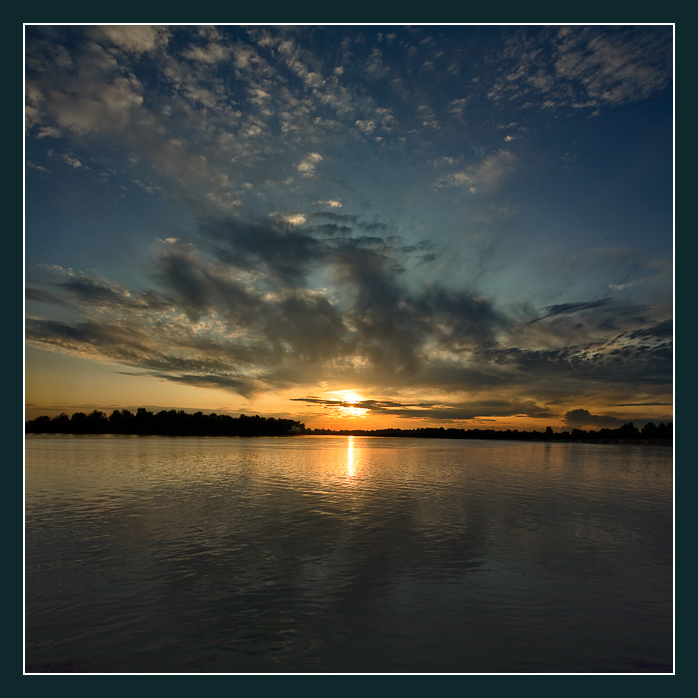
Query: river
x=317 y=554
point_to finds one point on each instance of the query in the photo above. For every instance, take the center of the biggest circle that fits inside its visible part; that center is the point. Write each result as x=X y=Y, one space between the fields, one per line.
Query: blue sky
x=451 y=225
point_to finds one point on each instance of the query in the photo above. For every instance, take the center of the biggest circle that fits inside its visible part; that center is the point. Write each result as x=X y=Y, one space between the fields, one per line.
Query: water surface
x=336 y=554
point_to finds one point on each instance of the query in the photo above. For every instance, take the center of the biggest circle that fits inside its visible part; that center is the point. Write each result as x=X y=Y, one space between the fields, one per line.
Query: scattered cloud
x=71 y=161
x=366 y=126
x=577 y=67
x=37 y=167
x=307 y=166
x=487 y=176
x=137 y=38
x=332 y=203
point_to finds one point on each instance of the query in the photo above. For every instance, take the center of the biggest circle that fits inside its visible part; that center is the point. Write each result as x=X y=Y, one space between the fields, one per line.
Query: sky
x=352 y=226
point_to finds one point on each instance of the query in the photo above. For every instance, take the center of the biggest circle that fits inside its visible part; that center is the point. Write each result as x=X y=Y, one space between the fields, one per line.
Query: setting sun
x=348 y=406
x=351 y=397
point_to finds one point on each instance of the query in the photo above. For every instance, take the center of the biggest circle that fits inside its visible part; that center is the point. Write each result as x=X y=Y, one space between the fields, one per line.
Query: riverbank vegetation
x=180 y=423
x=164 y=423
x=661 y=434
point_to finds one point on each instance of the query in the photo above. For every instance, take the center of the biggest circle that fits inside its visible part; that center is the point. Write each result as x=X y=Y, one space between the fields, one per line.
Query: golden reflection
x=351 y=467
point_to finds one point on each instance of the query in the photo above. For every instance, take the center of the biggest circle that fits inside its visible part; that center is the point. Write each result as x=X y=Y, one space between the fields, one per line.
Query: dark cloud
x=44 y=296
x=199 y=286
x=568 y=308
x=576 y=419
x=148 y=346
x=380 y=228
x=277 y=248
x=330 y=229
x=425 y=410
x=460 y=320
x=90 y=290
x=662 y=330
x=638 y=364
x=332 y=217
x=254 y=322
x=645 y=404
x=241 y=386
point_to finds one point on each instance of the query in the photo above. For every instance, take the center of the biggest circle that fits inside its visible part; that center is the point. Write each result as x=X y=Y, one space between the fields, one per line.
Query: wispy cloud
x=569 y=308
x=37 y=167
x=440 y=411
x=487 y=176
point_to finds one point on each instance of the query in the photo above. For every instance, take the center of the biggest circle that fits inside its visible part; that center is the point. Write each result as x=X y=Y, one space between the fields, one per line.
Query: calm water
x=335 y=554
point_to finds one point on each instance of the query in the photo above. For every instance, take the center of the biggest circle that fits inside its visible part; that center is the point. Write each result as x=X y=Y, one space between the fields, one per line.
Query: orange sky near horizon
x=56 y=382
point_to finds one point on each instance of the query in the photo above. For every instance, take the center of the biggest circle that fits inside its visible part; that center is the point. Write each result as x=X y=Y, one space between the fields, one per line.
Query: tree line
x=627 y=433
x=164 y=423
x=180 y=423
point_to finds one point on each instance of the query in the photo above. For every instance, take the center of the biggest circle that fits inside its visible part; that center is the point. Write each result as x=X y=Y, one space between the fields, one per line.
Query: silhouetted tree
x=629 y=431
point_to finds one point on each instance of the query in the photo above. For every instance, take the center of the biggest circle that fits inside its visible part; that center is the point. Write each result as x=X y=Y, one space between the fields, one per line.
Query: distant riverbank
x=649 y=435
x=164 y=423
x=180 y=423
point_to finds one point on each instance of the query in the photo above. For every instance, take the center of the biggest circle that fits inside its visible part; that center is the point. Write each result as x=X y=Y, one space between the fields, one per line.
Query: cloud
x=332 y=203
x=366 y=126
x=569 y=308
x=292 y=218
x=439 y=411
x=71 y=161
x=615 y=67
x=457 y=108
x=37 y=167
x=307 y=166
x=444 y=161
x=662 y=330
x=211 y=53
x=243 y=304
x=137 y=38
x=241 y=386
x=95 y=106
x=487 y=176
x=43 y=296
x=426 y=117
x=583 y=67
x=614 y=362
x=576 y=419
x=645 y=404
x=374 y=65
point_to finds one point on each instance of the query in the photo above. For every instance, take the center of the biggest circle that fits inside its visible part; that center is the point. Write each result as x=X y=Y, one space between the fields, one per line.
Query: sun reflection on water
x=351 y=467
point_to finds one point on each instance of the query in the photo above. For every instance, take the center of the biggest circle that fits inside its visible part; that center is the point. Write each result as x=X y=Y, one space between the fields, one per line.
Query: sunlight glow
x=351 y=469
x=351 y=398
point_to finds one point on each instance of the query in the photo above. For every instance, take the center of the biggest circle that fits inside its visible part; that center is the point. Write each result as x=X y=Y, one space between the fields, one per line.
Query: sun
x=350 y=399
